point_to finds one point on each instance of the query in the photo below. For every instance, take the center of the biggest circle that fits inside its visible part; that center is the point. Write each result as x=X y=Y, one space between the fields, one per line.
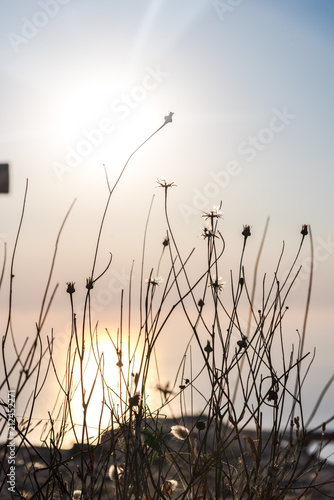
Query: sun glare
x=82 y=109
x=106 y=375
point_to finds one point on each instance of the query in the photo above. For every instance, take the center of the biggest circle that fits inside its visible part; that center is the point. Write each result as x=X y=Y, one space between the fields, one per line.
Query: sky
x=84 y=83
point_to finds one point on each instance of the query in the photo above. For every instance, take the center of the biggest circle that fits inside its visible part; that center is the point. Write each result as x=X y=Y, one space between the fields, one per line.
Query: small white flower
x=114 y=471
x=180 y=432
x=217 y=285
x=207 y=233
x=164 y=184
x=214 y=213
x=154 y=281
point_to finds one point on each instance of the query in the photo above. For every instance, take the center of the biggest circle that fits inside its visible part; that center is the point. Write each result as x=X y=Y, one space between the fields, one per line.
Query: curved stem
x=111 y=192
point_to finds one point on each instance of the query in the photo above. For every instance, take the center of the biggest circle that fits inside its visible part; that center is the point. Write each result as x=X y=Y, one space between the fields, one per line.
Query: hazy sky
x=85 y=82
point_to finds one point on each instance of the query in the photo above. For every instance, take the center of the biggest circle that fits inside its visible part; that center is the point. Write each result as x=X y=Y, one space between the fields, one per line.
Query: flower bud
x=246 y=231
x=304 y=230
x=89 y=283
x=208 y=347
x=169 y=117
x=70 y=287
x=200 y=303
x=200 y=425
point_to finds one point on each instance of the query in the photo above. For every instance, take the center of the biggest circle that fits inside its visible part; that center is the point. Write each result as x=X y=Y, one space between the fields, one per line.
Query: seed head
x=168 y=487
x=89 y=283
x=200 y=425
x=200 y=303
x=169 y=117
x=70 y=287
x=180 y=432
x=242 y=343
x=272 y=395
x=246 y=231
x=304 y=230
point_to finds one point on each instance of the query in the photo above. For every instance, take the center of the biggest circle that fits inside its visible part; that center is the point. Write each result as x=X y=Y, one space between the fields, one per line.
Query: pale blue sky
x=261 y=71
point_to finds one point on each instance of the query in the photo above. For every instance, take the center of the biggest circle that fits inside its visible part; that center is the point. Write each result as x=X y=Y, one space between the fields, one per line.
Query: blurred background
x=83 y=83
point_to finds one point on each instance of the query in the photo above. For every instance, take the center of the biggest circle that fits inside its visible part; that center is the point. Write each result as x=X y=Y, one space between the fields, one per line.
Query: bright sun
x=106 y=376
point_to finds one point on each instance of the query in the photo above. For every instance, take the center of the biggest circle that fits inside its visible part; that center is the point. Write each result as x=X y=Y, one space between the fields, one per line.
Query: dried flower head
x=214 y=213
x=217 y=285
x=242 y=343
x=272 y=395
x=164 y=184
x=200 y=425
x=89 y=283
x=169 y=117
x=154 y=281
x=304 y=230
x=180 y=432
x=207 y=233
x=246 y=231
x=168 y=487
x=114 y=472
x=70 y=287
x=165 y=242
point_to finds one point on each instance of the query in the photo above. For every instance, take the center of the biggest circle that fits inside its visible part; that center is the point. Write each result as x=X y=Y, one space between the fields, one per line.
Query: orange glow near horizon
x=101 y=384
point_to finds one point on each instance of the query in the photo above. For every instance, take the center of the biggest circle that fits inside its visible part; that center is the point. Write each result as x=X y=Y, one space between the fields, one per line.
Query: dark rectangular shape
x=4 y=178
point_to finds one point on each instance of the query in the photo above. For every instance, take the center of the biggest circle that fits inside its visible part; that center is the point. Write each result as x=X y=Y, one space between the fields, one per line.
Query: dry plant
x=224 y=452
